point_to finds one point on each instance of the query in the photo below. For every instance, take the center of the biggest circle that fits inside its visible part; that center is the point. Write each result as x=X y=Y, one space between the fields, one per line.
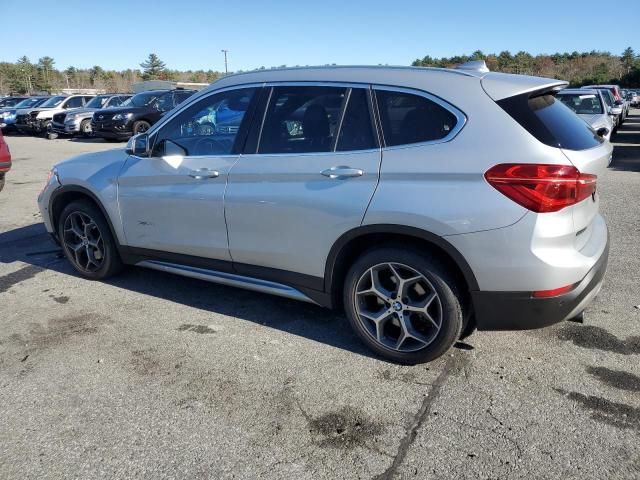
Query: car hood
x=82 y=110
x=97 y=167
x=113 y=111
x=597 y=119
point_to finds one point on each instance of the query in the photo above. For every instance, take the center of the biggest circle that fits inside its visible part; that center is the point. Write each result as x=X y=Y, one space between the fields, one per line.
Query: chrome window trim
x=461 y=118
x=156 y=129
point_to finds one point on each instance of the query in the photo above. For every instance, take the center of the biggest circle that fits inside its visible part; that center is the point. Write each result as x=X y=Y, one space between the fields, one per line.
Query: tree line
x=578 y=68
x=24 y=76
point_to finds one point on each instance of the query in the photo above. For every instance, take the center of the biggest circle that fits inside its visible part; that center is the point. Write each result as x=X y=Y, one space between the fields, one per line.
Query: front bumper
x=521 y=311
x=112 y=129
x=68 y=128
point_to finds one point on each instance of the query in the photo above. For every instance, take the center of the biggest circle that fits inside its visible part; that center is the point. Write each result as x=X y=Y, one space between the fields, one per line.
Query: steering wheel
x=205 y=129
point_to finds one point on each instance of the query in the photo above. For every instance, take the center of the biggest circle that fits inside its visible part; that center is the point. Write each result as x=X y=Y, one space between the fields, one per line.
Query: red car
x=5 y=160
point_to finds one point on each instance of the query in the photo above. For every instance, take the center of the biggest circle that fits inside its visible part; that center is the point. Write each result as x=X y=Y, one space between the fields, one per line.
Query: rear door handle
x=203 y=174
x=342 y=172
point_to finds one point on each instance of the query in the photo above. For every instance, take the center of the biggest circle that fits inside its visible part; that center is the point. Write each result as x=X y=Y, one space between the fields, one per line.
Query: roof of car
x=164 y=90
x=580 y=91
x=436 y=80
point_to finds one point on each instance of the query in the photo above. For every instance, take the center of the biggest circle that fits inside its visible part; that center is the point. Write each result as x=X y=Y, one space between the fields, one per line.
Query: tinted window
x=550 y=121
x=209 y=127
x=582 y=104
x=165 y=102
x=356 y=132
x=302 y=119
x=74 y=102
x=408 y=118
x=182 y=96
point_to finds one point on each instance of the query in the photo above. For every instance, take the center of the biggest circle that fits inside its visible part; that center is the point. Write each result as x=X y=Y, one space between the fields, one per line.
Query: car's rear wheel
x=1 y=181
x=140 y=127
x=403 y=304
x=87 y=241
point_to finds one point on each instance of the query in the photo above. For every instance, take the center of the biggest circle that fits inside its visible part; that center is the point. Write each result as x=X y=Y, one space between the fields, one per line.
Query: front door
x=172 y=201
x=309 y=181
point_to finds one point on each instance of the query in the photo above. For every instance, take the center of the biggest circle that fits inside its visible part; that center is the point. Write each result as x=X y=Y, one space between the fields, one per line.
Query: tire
x=427 y=283
x=140 y=126
x=85 y=128
x=111 y=140
x=46 y=129
x=98 y=241
x=1 y=181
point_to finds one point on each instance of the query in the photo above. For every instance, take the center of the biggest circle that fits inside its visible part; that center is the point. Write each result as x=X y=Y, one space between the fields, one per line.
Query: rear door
x=306 y=178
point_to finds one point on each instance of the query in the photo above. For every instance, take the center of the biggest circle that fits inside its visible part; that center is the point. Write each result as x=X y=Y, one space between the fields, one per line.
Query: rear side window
x=302 y=119
x=408 y=118
x=550 y=121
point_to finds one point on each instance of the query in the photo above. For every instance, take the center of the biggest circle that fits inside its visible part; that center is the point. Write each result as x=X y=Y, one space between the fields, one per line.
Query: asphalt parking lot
x=155 y=376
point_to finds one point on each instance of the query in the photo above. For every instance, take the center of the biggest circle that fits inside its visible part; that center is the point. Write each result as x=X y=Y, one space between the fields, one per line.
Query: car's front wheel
x=403 y=304
x=85 y=128
x=140 y=127
x=87 y=241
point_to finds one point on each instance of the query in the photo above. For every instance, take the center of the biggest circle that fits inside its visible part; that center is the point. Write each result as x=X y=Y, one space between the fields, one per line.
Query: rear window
x=551 y=122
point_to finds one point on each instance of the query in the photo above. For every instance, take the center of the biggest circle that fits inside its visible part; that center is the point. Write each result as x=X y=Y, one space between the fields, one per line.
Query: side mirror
x=138 y=145
x=602 y=132
x=619 y=102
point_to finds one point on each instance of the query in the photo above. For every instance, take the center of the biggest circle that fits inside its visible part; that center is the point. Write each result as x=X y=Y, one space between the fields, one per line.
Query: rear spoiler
x=503 y=85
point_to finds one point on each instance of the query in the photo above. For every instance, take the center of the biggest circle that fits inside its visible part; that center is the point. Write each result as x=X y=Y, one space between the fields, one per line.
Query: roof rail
x=474 y=65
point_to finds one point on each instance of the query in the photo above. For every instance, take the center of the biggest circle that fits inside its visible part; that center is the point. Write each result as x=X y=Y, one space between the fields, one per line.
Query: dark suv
x=137 y=114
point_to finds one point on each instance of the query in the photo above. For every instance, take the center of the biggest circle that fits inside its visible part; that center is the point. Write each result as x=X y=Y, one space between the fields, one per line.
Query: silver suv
x=424 y=202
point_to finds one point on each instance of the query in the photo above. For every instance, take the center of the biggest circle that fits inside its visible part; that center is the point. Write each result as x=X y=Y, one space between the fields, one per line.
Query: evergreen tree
x=153 y=67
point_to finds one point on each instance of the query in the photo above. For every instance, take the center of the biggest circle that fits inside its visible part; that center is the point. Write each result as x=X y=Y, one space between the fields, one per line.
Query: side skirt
x=229 y=279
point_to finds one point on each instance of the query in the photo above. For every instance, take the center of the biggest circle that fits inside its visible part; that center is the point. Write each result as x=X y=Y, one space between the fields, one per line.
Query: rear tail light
x=541 y=188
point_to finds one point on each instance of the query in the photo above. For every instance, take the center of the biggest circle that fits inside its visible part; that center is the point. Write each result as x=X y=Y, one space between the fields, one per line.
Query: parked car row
x=110 y=116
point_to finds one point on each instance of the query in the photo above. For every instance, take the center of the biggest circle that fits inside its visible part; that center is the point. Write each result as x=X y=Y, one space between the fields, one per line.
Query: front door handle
x=203 y=174
x=342 y=172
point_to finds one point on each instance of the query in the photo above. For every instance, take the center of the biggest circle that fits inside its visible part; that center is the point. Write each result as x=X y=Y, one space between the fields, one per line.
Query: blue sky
x=189 y=34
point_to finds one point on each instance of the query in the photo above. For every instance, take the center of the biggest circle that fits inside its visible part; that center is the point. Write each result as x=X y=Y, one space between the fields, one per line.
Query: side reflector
x=552 y=293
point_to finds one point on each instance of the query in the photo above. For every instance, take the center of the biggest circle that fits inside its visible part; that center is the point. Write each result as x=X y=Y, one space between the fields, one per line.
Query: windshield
x=585 y=104
x=140 y=100
x=53 y=102
x=97 y=102
x=10 y=102
x=30 y=102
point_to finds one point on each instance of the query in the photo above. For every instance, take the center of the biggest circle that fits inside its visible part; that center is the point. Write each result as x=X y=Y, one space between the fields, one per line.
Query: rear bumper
x=521 y=311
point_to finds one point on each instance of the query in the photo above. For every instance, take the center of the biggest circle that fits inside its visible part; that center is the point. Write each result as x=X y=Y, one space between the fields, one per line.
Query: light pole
x=226 y=69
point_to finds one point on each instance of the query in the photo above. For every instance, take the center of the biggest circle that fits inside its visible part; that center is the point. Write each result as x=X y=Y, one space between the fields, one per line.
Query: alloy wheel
x=398 y=307
x=83 y=240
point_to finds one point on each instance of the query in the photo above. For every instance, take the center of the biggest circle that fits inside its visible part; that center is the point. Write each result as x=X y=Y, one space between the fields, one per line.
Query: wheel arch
x=68 y=193
x=354 y=242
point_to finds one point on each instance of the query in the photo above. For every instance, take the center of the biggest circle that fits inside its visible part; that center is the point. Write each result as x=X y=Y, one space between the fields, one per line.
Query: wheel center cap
x=397 y=306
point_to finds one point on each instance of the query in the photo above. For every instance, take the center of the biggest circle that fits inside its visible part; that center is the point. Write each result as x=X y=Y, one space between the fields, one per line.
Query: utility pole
x=226 y=69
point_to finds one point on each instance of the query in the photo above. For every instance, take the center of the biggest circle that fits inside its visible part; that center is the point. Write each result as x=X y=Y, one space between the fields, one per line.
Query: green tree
x=628 y=57
x=153 y=67
x=45 y=65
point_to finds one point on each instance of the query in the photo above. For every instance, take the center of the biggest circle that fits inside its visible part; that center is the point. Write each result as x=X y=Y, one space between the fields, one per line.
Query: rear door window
x=357 y=130
x=408 y=118
x=550 y=121
x=302 y=119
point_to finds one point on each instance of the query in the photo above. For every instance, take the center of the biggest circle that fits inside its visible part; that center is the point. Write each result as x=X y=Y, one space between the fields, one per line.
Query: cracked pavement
x=155 y=376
